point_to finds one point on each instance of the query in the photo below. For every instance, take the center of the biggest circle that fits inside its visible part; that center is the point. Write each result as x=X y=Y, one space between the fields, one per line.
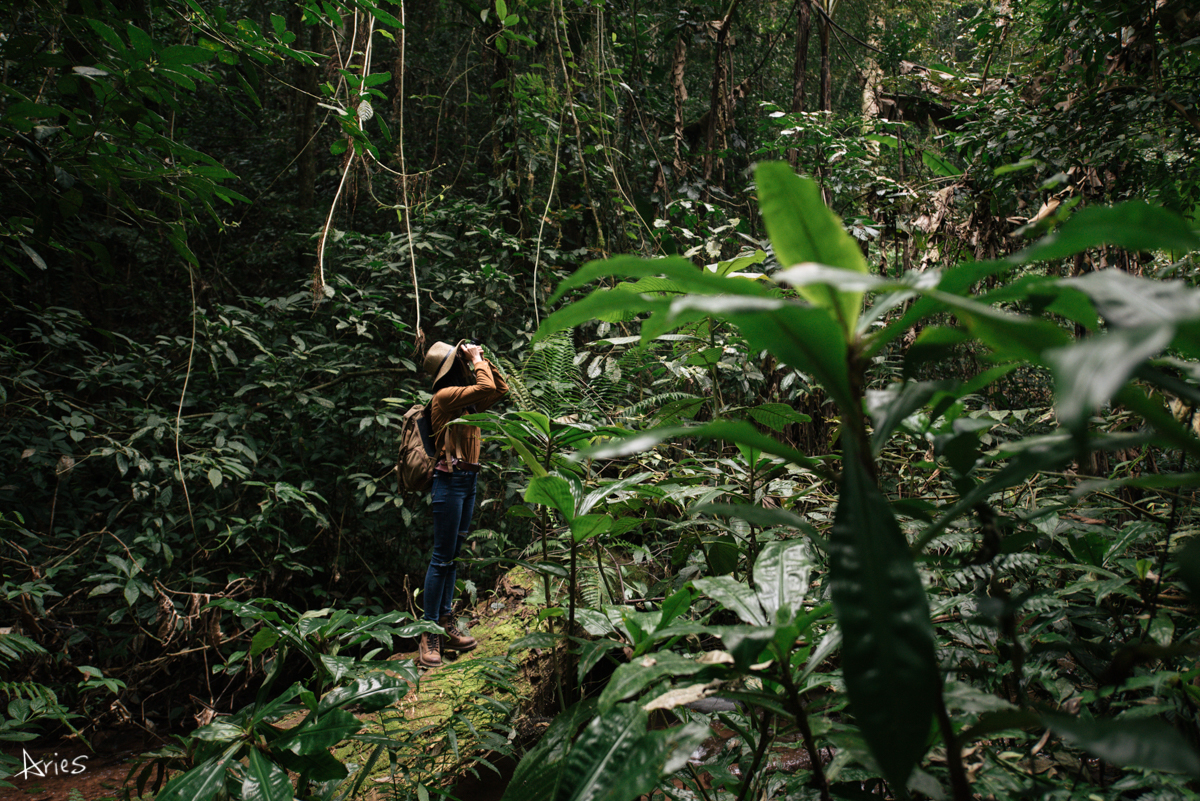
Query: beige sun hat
x=440 y=358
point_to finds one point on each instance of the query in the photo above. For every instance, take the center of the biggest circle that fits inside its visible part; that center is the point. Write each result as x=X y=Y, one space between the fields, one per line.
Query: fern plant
x=549 y=382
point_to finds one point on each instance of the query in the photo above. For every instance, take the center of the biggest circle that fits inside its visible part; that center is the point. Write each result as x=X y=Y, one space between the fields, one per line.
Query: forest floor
x=456 y=729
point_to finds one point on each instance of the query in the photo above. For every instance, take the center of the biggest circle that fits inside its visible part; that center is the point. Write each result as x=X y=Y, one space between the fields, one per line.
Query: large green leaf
x=734 y=596
x=553 y=491
x=617 y=759
x=888 y=409
x=319 y=766
x=372 y=692
x=804 y=337
x=585 y=526
x=201 y=782
x=781 y=579
x=1188 y=562
x=683 y=275
x=888 y=658
x=1134 y=226
x=320 y=731
x=803 y=230
x=264 y=780
x=776 y=415
x=1145 y=743
x=633 y=677
x=599 y=303
x=605 y=490
x=958 y=280
x=737 y=431
x=614 y=758
x=759 y=516
x=1089 y=373
x=1011 y=336
x=1127 y=301
x=539 y=775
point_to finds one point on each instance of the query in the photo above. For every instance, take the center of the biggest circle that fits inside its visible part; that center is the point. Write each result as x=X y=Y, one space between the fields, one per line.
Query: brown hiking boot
x=456 y=639
x=430 y=650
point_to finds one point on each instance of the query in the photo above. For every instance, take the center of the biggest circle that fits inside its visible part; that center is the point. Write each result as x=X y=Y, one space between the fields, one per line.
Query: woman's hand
x=473 y=354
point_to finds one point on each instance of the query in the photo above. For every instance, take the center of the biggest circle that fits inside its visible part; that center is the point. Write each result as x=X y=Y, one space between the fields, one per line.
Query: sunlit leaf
x=803 y=230
x=552 y=491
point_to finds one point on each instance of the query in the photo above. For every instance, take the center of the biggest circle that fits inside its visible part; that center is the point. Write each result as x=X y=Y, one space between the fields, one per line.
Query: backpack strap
x=425 y=429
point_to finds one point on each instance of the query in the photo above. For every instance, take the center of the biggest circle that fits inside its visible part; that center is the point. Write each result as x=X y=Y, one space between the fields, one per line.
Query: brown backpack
x=417 y=452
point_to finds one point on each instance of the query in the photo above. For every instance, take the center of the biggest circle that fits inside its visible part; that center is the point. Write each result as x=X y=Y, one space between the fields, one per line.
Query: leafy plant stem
x=603 y=576
x=959 y=784
x=1151 y=603
x=764 y=740
x=752 y=551
x=801 y=716
x=572 y=586
x=699 y=784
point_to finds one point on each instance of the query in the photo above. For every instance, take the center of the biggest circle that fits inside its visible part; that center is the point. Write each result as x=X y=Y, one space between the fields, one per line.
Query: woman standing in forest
x=463 y=383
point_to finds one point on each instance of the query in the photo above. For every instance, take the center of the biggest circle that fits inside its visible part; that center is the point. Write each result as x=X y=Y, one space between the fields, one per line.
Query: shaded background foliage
x=227 y=228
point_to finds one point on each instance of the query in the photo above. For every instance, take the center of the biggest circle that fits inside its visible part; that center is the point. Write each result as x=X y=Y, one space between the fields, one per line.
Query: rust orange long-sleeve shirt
x=462 y=442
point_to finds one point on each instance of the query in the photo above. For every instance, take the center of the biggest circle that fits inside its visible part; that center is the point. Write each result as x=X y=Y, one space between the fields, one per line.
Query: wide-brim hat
x=440 y=358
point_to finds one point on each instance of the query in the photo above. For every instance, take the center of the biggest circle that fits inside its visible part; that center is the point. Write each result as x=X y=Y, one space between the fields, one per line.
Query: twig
x=179 y=411
x=763 y=741
x=319 y=277
x=537 y=255
x=412 y=251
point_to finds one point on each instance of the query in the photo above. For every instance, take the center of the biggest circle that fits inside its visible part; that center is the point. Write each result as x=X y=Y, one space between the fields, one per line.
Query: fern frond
x=655 y=402
x=15 y=647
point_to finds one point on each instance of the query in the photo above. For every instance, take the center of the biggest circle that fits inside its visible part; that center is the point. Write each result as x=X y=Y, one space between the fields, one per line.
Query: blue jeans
x=453 y=504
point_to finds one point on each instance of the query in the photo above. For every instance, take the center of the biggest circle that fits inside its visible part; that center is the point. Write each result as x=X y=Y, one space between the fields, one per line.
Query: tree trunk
x=826 y=76
x=718 y=112
x=678 y=63
x=800 y=69
x=800 y=66
x=307 y=80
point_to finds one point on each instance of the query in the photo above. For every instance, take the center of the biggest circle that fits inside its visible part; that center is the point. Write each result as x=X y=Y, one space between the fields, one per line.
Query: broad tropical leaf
x=803 y=230
x=888 y=659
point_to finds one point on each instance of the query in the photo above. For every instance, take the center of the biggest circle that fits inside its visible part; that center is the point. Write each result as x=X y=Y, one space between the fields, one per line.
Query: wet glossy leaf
x=617 y=758
x=372 y=692
x=734 y=596
x=264 y=780
x=633 y=677
x=201 y=782
x=781 y=579
x=320 y=731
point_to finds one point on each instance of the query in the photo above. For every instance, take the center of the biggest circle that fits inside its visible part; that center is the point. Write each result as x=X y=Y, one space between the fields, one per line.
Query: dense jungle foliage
x=852 y=440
